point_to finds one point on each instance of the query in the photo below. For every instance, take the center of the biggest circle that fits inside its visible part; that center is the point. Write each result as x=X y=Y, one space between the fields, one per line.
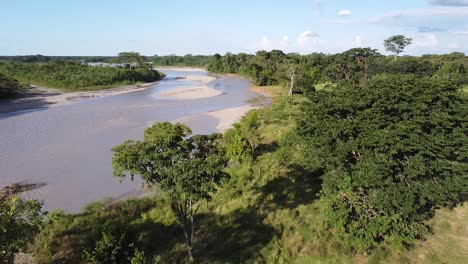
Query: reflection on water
x=68 y=147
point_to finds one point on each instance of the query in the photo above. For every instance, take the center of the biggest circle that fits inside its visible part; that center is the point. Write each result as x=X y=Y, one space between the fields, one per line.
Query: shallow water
x=68 y=147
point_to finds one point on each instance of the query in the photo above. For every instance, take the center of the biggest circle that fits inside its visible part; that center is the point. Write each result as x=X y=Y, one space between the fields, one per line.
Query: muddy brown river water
x=67 y=147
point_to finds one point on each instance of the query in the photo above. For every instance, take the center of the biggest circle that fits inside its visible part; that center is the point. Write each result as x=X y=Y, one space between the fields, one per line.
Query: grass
x=267 y=213
x=323 y=86
x=271 y=90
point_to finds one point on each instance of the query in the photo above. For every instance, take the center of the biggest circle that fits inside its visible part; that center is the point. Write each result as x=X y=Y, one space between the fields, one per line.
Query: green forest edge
x=17 y=76
x=370 y=167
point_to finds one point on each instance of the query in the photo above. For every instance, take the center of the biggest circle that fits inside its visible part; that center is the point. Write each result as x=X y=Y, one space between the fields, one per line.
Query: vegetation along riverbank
x=360 y=158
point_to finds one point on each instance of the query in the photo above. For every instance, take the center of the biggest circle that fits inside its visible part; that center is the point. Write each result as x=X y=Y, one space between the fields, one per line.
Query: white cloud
x=453 y=46
x=265 y=44
x=344 y=12
x=284 y=43
x=357 y=41
x=463 y=32
x=449 y=2
x=305 y=37
x=425 y=40
x=430 y=17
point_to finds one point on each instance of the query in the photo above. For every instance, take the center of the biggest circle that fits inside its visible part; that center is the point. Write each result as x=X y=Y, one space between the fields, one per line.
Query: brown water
x=68 y=147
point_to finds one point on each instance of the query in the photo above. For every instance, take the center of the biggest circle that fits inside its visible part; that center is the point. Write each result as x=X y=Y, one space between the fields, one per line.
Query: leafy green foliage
x=20 y=220
x=9 y=87
x=188 y=170
x=128 y=231
x=391 y=152
x=188 y=60
x=76 y=76
x=130 y=59
x=396 y=44
x=237 y=147
x=111 y=247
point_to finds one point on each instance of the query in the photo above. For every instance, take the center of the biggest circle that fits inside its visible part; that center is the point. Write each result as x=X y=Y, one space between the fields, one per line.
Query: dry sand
x=199 y=90
x=200 y=79
x=227 y=117
x=42 y=96
x=67 y=97
x=187 y=69
x=191 y=92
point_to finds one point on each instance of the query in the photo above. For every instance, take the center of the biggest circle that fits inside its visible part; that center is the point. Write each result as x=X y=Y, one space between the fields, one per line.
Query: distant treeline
x=355 y=66
x=42 y=58
x=76 y=76
x=186 y=61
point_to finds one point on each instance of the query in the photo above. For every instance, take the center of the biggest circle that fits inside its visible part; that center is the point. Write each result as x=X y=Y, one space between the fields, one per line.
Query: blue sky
x=107 y=27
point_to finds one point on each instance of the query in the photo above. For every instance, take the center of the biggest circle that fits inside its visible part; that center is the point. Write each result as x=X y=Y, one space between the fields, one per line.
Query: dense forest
x=360 y=158
x=182 y=61
x=77 y=76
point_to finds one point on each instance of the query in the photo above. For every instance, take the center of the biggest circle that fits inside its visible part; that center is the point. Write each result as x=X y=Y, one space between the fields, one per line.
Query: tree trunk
x=291 y=84
x=187 y=225
x=188 y=241
x=396 y=55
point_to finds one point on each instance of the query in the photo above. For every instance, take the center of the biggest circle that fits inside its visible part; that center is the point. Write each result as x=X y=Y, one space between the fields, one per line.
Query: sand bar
x=227 y=117
x=55 y=97
x=191 y=92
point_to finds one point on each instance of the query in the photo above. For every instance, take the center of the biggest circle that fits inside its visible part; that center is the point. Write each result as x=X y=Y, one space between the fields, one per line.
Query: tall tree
x=397 y=44
x=132 y=58
x=188 y=170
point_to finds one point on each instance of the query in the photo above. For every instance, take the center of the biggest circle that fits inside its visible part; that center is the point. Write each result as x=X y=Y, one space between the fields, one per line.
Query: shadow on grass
x=234 y=238
x=266 y=148
x=298 y=187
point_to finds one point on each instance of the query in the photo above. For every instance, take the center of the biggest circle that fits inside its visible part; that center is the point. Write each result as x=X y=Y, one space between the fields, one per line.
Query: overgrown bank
x=275 y=207
x=130 y=68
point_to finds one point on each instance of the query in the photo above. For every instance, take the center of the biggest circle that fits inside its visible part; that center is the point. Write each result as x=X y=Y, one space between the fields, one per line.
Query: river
x=67 y=147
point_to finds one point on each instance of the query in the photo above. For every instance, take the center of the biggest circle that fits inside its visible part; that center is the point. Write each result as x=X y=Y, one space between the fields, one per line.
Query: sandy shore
x=190 y=92
x=227 y=117
x=43 y=96
x=199 y=90
x=171 y=68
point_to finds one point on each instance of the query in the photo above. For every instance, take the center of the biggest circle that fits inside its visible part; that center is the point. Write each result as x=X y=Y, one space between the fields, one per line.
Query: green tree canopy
x=19 y=222
x=397 y=44
x=390 y=151
x=187 y=169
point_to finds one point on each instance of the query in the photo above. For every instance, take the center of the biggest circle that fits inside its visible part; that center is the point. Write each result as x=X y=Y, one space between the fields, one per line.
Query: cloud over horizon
x=344 y=12
x=449 y=2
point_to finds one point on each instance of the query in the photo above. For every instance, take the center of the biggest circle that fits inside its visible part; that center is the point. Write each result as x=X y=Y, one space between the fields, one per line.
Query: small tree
x=19 y=222
x=186 y=169
x=132 y=58
x=396 y=44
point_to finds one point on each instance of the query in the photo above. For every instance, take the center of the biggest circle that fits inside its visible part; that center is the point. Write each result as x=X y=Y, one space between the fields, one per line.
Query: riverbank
x=47 y=97
x=199 y=89
x=179 y=68
x=227 y=117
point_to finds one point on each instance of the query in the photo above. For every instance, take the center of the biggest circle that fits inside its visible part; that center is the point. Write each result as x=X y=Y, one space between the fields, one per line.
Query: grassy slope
x=267 y=213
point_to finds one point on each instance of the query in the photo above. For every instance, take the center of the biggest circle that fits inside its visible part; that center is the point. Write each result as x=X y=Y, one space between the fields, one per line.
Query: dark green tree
x=187 y=169
x=390 y=151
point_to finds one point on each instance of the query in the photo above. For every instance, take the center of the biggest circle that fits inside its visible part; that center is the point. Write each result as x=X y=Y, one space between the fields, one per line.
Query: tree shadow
x=299 y=186
x=233 y=238
x=10 y=108
x=266 y=148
